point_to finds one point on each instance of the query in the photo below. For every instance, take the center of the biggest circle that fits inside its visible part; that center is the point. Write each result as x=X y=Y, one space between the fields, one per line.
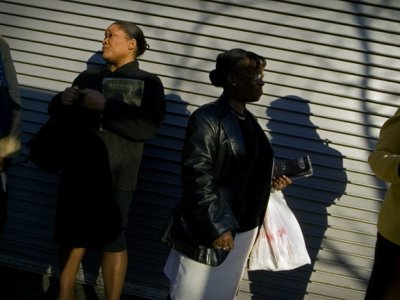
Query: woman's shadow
x=293 y=135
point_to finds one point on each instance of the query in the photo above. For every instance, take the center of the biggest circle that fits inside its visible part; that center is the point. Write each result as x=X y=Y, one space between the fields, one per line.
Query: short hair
x=230 y=61
x=134 y=32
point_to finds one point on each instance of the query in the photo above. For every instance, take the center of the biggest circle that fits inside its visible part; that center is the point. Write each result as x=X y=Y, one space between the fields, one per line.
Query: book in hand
x=294 y=168
x=126 y=89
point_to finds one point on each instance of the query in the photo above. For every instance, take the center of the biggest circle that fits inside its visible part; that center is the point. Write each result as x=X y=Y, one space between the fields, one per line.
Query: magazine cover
x=127 y=89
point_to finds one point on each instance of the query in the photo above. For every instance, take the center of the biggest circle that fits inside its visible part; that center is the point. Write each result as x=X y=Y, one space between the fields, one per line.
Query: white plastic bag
x=280 y=243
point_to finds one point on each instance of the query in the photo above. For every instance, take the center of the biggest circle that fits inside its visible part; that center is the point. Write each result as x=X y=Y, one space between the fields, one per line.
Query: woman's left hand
x=279 y=183
x=93 y=100
x=225 y=242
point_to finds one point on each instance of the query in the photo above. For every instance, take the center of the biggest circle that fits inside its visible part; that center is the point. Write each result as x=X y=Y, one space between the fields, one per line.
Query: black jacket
x=102 y=154
x=223 y=188
x=125 y=127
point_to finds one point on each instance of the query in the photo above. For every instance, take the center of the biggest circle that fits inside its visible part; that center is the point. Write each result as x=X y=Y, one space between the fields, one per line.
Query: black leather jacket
x=223 y=190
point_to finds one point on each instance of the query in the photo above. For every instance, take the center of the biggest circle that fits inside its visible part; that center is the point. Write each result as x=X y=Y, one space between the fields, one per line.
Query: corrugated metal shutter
x=332 y=80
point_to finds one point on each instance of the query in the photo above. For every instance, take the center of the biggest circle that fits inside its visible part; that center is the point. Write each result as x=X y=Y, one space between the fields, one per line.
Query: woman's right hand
x=224 y=242
x=70 y=95
x=281 y=182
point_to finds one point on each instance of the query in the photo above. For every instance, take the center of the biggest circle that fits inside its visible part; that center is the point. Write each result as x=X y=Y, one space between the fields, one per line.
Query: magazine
x=294 y=168
x=127 y=89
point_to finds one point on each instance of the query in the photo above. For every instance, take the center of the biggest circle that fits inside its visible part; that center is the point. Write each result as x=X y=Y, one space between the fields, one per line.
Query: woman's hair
x=230 y=61
x=134 y=32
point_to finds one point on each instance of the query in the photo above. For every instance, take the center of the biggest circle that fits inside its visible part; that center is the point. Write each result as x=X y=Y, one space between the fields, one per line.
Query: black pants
x=384 y=283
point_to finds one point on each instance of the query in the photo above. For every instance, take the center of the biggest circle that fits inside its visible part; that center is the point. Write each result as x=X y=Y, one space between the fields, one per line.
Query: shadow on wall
x=95 y=60
x=293 y=135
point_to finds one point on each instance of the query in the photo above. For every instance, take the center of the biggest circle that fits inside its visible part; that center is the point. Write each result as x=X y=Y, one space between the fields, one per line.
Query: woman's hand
x=279 y=183
x=93 y=100
x=224 y=242
x=70 y=95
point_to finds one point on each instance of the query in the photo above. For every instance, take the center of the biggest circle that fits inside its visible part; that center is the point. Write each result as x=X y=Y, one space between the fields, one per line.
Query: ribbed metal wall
x=332 y=80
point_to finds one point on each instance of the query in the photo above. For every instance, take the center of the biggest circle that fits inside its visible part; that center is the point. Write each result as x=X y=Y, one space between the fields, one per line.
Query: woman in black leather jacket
x=226 y=178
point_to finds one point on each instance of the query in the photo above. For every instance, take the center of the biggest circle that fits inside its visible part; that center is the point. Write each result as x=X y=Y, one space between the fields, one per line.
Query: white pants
x=196 y=281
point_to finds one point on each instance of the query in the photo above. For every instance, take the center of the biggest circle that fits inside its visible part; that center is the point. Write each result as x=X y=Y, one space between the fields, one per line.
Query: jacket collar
x=231 y=126
x=125 y=69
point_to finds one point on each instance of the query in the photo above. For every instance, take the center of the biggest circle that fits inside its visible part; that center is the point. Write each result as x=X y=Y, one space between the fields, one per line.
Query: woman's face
x=248 y=82
x=118 y=48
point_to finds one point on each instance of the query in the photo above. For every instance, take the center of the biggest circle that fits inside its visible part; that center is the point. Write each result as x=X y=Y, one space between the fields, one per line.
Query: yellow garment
x=9 y=146
x=384 y=161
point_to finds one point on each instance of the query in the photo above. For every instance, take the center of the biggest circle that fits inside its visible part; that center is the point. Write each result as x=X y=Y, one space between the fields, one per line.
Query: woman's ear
x=132 y=44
